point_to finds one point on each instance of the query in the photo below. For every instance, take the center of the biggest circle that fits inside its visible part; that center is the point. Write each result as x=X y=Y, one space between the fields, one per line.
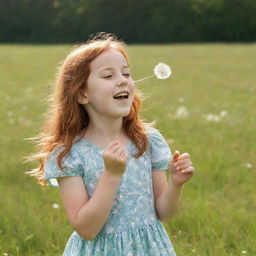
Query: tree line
x=135 y=21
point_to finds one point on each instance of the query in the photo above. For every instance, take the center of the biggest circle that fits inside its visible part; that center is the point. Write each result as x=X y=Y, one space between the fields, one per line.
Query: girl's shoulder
x=160 y=152
x=154 y=135
x=74 y=150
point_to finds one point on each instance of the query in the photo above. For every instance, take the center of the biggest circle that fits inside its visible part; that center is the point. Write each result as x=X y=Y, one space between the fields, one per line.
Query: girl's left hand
x=181 y=168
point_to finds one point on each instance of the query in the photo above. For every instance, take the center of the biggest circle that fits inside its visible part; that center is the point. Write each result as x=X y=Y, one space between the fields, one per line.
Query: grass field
x=207 y=108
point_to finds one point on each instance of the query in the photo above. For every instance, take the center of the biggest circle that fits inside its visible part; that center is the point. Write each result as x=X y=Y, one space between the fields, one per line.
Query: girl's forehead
x=109 y=58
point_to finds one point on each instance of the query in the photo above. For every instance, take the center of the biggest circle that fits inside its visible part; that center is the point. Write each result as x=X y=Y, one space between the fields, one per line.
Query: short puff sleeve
x=71 y=164
x=160 y=152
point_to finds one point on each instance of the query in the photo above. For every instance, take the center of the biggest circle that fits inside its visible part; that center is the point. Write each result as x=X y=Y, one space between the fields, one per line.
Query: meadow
x=207 y=108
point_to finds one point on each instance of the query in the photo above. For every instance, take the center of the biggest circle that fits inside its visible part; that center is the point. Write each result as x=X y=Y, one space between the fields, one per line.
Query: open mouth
x=122 y=95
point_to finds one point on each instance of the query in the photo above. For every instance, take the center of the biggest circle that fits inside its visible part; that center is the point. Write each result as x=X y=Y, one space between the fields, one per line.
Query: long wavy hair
x=66 y=118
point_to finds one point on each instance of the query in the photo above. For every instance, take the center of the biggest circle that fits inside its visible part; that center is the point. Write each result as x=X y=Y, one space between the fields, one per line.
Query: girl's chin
x=122 y=114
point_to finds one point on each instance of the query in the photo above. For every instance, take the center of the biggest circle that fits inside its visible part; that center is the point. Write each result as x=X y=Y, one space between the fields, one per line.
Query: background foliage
x=151 y=21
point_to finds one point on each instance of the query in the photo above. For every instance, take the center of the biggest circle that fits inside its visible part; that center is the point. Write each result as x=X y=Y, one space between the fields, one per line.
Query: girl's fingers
x=124 y=155
x=190 y=169
x=175 y=156
x=184 y=165
x=183 y=161
x=119 y=151
x=112 y=144
x=116 y=149
x=184 y=156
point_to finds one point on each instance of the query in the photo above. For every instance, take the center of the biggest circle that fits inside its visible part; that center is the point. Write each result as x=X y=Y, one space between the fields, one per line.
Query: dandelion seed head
x=162 y=71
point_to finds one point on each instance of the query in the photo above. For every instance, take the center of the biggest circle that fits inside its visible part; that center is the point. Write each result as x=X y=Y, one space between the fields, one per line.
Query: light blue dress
x=132 y=228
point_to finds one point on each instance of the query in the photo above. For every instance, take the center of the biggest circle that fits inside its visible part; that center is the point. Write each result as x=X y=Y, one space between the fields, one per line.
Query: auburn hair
x=66 y=118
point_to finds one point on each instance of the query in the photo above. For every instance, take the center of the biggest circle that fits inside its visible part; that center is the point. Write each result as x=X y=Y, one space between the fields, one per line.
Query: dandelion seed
x=181 y=112
x=55 y=206
x=161 y=71
x=249 y=165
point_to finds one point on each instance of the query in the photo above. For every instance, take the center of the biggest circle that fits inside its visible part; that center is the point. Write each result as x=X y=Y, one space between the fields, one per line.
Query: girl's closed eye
x=126 y=75
x=107 y=76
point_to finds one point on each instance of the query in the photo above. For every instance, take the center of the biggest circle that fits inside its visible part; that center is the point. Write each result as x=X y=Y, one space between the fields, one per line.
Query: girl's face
x=109 y=77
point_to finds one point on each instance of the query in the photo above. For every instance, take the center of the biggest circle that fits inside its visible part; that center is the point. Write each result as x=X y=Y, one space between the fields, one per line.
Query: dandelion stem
x=143 y=79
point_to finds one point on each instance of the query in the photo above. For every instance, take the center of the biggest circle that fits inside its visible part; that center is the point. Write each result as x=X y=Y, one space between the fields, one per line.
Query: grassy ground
x=217 y=217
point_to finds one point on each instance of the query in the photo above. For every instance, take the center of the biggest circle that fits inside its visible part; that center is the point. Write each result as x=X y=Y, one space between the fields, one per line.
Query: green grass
x=217 y=217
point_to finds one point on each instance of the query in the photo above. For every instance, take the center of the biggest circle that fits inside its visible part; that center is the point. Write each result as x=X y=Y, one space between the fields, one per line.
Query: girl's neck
x=102 y=133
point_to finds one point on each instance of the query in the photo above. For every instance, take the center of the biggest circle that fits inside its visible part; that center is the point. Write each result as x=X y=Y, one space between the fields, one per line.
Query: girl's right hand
x=115 y=158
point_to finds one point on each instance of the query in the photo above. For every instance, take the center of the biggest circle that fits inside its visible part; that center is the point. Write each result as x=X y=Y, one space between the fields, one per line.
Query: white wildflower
x=223 y=113
x=181 y=99
x=249 y=165
x=170 y=141
x=21 y=119
x=181 y=112
x=55 y=206
x=212 y=117
x=9 y=113
x=243 y=252
x=11 y=121
x=54 y=182
x=162 y=71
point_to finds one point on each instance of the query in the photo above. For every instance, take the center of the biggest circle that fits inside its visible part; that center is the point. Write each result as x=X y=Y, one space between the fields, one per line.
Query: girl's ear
x=83 y=99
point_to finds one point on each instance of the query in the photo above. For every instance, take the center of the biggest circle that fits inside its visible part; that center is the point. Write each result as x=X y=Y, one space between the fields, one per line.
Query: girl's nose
x=122 y=80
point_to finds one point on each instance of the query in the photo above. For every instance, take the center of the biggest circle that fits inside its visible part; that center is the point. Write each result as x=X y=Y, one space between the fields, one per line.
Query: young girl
x=108 y=164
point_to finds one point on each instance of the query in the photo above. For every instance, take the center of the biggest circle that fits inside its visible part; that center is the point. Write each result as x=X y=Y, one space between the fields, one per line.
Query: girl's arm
x=88 y=216
x=167 y=196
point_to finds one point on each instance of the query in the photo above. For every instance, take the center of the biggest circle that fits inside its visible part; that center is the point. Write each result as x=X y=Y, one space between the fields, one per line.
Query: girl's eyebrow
x=111 y=68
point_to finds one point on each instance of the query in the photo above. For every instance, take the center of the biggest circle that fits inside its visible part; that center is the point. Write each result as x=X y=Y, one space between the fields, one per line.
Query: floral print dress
x=132 y=228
